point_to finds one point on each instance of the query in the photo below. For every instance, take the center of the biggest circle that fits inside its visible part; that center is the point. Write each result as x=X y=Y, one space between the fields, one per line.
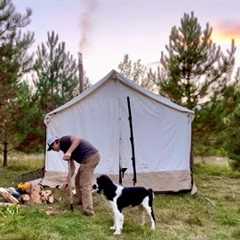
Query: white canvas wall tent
x=161 y=131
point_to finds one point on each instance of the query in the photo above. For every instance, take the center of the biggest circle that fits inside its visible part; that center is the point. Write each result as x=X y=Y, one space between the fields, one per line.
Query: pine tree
x=230 y=132
x=138 y=72
x=56 y=71
x=29 y=127
x=14 y=62
x=194 y=67
x=210 y=129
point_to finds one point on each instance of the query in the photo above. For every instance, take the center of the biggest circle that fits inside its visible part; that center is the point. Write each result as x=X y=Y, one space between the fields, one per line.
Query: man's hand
x=67 y=156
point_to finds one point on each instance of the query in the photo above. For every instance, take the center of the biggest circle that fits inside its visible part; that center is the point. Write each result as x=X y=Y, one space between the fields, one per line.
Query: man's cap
x=50 y=141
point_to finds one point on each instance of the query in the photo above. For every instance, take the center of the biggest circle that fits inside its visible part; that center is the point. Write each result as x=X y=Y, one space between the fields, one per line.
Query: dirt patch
x=223 y=161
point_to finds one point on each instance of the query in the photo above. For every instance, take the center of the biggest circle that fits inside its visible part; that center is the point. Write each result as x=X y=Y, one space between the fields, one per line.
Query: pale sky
x=113 y=28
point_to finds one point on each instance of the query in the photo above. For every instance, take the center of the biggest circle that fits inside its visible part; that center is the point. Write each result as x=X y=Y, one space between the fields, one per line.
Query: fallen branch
x=207 y=199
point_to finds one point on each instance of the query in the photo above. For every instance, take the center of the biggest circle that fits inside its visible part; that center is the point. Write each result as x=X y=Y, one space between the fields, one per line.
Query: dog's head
x=103 y=182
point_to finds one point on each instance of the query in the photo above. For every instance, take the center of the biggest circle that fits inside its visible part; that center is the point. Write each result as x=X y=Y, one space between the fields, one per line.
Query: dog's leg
x=153 y=223
x=113 y=227
x=117 y=219
x=118 y=222
x=121 y=220
x=114 y=216
x=119 y=225
x=149 y=210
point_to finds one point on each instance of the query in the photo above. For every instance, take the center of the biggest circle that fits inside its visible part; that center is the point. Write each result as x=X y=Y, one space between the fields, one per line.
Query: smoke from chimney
x=86 y=23
x=80 y=72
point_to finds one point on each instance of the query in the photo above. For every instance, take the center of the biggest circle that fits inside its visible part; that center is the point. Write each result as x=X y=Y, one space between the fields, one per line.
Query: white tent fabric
x=162 y=132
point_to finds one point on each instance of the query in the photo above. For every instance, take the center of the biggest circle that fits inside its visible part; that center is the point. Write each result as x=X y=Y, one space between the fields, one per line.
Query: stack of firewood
x=36 y=195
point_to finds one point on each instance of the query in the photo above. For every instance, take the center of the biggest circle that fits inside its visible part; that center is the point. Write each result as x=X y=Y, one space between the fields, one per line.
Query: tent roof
x=114 y=74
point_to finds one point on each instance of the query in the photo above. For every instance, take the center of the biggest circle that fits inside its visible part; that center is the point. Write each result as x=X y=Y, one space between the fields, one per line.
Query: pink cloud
x=227 y=29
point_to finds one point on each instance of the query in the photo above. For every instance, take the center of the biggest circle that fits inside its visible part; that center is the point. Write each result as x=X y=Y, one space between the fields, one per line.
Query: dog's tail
x=151 y=197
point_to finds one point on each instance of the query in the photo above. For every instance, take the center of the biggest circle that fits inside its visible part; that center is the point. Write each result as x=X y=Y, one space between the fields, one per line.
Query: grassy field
x=19 y=164
x=212 y=214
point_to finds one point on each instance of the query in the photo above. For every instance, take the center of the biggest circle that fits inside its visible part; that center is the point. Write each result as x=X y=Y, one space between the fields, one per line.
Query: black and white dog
x=121 y=197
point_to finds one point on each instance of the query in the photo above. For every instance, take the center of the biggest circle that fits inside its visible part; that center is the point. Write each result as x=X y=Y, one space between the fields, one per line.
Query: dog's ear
x=94 y=188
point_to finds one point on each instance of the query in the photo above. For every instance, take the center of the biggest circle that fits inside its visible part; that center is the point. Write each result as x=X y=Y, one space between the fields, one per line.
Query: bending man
x=81 y=151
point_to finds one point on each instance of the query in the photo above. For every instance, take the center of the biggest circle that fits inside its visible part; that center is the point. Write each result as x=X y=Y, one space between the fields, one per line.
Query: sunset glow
x=105 y=30
x=224 y=32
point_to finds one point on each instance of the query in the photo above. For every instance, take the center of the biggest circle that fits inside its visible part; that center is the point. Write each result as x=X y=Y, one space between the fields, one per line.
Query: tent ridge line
x=113 y=74
x=137 y=88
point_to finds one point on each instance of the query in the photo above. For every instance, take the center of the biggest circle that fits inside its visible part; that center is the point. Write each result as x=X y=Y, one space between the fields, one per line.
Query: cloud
x=225 y=31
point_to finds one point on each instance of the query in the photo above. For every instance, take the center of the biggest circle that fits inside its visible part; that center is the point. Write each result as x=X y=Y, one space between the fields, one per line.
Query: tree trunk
x=5 y=154
x=188 y=89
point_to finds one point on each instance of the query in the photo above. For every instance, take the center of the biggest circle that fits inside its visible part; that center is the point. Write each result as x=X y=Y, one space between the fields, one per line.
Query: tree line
x=30 y=84
x=196 y=73
x=193 y=72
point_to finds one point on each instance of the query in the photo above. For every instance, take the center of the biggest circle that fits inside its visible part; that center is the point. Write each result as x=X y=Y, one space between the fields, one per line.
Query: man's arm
x=74 y=145
x=72 y=166
x=70 y=174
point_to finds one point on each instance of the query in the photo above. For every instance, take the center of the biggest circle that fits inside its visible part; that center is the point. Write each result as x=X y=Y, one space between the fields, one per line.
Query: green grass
x=18 y=164
x=212 y=214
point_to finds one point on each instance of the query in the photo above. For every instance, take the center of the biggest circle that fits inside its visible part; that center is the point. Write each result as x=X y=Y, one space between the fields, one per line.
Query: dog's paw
x=117 y=232
x=153 y=227
x=112 y=228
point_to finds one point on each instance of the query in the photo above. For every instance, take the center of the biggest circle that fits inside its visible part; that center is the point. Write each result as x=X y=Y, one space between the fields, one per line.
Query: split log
x=25 y=198
x=51 y=199
x=47 y=196
x=7 y=196
x=35 y=194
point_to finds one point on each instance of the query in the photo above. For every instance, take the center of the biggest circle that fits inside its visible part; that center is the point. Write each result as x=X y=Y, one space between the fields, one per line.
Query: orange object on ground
x=25 y=187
